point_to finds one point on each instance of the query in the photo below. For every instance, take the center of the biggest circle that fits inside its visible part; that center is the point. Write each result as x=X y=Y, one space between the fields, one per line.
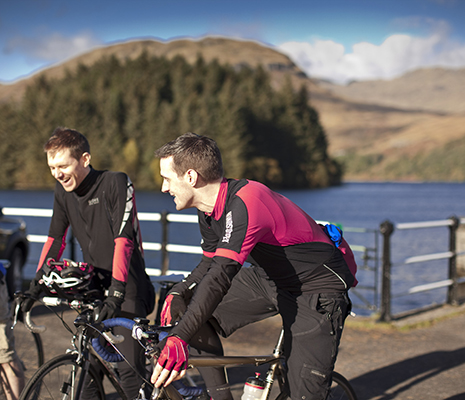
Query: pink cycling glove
x=173 y=309
x=174 y=355
x=165 y=315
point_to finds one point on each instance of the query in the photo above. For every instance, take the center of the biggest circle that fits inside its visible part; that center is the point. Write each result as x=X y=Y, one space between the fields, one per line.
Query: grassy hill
x=410 y=128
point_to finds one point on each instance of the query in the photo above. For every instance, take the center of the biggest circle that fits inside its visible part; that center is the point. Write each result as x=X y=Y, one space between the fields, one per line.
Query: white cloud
x=397 y=55
x=51 y=47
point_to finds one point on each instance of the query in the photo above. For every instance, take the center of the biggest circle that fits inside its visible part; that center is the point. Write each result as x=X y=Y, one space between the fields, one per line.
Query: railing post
x=164 y=242
x=452 y=293
x=386 y=228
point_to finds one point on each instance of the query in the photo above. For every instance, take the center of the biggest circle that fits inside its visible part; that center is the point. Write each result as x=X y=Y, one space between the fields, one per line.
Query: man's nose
x=164 y=187
x=57 y=174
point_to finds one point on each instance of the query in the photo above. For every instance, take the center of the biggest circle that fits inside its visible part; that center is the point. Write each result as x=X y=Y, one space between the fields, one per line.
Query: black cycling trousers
x=206 y=342
x=312 y=324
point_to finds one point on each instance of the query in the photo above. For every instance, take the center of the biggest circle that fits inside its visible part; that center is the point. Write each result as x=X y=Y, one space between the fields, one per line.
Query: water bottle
x=253 y=388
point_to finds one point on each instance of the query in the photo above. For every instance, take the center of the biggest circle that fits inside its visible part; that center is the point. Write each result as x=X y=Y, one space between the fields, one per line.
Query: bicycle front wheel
x=341 y=389
x=28 y=346
x=59 y=377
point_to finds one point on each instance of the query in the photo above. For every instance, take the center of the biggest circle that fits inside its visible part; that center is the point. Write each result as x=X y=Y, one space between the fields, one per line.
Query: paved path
x=382 y=362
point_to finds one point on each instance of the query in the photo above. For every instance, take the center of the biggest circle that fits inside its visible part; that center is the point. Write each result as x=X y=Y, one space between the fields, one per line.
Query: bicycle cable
x=122 y=357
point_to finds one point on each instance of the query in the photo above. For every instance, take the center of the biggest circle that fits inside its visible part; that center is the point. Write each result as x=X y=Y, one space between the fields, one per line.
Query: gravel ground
x=382 y=361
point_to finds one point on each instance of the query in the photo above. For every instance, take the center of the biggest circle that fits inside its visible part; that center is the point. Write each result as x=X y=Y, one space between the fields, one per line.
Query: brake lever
x=16 y=312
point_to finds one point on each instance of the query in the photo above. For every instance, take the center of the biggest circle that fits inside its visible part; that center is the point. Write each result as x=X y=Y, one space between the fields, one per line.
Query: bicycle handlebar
x=31 y=326
x=26 y=318
x=138 y=333
x=111 y=323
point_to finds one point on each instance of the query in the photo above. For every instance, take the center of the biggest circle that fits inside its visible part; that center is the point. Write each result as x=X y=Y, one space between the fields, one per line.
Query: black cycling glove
x=34 y=289
x=112 y=304
x=33 y=294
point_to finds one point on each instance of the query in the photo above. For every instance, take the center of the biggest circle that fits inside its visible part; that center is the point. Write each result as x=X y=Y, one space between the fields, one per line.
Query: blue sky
x=340 y=40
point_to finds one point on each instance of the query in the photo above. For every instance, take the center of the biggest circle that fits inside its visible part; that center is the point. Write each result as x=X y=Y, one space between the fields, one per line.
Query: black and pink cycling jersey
x=252 y=223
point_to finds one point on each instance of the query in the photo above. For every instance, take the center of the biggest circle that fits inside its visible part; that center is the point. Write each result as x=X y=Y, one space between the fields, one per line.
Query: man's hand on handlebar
x=34 y=287
x=172 y=362
x=31 y=296
x=173 y=309
x=112 y=304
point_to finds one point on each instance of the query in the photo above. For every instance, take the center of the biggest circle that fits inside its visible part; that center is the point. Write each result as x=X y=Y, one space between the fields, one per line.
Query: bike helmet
x=71 y=277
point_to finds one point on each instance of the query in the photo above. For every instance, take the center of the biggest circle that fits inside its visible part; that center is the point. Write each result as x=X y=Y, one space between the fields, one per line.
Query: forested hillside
x=129 y=108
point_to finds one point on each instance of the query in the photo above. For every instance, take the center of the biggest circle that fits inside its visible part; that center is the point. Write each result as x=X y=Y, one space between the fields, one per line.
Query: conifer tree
x=127 y=109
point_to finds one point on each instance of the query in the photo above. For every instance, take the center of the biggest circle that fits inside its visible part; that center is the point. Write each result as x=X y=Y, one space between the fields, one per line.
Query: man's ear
x=192 y=177
x=85 y=158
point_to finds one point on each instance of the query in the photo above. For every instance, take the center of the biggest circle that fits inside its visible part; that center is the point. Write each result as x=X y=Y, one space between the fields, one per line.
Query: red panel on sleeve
x=232 y=255
x=122 y=258
x=46 y=249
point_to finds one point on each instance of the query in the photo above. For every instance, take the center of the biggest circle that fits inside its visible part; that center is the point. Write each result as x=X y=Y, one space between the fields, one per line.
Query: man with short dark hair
x=100 y=207
x=297 y=271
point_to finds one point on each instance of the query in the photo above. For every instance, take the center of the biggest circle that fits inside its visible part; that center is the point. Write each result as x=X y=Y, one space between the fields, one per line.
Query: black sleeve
x=208 y=294
x=214 y=274
x=194 y=277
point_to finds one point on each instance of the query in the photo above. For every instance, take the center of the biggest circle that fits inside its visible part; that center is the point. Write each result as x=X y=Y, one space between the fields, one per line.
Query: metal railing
x=164 y=247
x=368 y=262
x=387 y=229
x=367 y=259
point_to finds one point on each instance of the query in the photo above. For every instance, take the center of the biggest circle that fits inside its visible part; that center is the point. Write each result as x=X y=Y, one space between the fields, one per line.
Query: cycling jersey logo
x=93 y=202
x=229 y=227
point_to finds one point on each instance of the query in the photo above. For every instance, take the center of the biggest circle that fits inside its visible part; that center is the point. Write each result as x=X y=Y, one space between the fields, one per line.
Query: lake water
x=353 y=205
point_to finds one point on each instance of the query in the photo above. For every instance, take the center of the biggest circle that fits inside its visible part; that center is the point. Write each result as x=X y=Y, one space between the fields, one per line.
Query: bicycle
x=76 y=365
x=67 y=375
x=340 y=389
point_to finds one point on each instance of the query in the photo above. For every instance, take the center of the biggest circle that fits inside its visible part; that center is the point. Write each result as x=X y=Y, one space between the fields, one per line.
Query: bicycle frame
x=275 y=360
x=81 y=345
x=85 y=350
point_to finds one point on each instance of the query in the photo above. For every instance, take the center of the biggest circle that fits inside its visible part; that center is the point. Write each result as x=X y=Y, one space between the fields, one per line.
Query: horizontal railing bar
x=365 y=268
x=356 y=247
x=37 y=238
x=426 y=257
x=27 y=212
x=181 y=248
x=182 y=218
x=146 y=216
x=358 y=230
x=143 y=216
x=430 y=286
x=425 y=287
x=157 y=272
x=151 y=246
x=425 y=224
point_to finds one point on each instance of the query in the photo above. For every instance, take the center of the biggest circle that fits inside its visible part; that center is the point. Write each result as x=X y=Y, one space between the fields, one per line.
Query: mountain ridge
x=370 y=125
